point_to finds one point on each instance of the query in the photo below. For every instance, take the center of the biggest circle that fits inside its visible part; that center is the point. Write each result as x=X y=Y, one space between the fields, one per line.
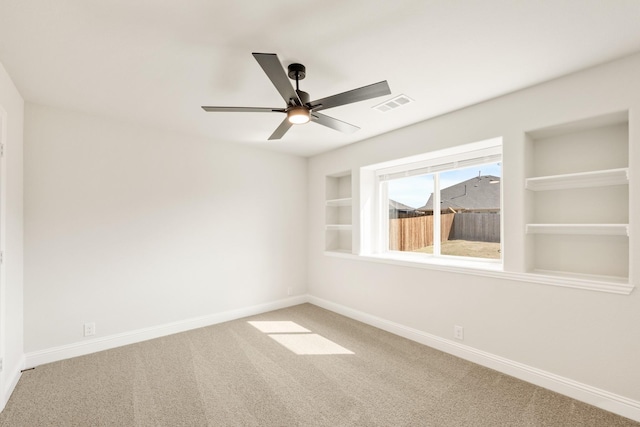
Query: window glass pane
x=410 y=225
x=470 y=211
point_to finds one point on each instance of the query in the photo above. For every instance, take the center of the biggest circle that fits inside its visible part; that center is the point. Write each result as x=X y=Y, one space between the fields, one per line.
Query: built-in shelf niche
x=338 y=213
x=578 y=199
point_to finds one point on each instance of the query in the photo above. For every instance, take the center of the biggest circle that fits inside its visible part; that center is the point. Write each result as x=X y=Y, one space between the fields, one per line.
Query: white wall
x=133 y=228
x=581 y=335
x=11 y=323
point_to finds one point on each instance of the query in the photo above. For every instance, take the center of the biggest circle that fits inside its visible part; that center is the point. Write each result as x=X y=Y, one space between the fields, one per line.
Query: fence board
x=476 y=227
x=409 y=234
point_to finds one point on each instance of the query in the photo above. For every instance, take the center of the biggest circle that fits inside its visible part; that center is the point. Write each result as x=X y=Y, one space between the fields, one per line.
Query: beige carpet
x=239 y=374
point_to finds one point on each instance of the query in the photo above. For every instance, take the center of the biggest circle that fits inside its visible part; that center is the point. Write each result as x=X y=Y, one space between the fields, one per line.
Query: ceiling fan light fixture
x=298 y=115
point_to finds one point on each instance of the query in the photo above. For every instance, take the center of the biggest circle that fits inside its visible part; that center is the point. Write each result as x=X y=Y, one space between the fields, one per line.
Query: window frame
x=374 y=230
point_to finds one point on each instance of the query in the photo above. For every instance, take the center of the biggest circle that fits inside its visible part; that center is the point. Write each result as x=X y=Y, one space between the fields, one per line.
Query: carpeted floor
x=240 y=374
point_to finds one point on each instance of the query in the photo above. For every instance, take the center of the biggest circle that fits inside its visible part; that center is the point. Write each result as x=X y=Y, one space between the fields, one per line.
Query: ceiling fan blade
x=355 y=95
x=332 y=123
x=281 y=130
x=243 y=109
x=273 y=68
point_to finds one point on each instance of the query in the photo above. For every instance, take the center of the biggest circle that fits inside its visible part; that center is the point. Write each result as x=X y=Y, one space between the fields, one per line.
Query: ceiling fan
x=299 y=109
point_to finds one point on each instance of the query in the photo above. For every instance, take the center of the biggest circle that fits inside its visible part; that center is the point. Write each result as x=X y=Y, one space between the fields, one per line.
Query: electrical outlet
x=458 y=332
x=89 y=329
x=1 y=364
x=289 y=290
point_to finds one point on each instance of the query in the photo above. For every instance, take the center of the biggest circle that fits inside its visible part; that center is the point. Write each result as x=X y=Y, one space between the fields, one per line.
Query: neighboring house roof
x=477 y=193
x=393 y=205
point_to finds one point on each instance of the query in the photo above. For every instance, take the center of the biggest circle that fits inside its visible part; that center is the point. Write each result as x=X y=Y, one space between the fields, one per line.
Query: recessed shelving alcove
x=338 y=213
x=578 y=199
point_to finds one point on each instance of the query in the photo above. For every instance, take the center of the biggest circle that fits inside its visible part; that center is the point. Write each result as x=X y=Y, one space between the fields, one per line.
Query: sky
x=414 y=191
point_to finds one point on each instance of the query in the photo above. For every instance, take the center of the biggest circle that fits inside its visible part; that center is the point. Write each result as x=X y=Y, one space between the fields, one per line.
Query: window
x=443 y=205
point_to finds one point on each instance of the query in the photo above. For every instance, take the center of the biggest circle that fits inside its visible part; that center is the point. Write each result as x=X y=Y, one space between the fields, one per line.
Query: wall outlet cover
x=89 y=329
x=458 y=332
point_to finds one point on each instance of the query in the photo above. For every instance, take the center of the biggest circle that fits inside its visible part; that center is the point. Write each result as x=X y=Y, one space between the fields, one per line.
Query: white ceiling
x=155 y=62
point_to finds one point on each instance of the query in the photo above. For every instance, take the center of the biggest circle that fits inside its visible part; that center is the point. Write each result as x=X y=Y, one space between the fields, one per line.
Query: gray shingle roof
x=400 y=206
x=477 y=193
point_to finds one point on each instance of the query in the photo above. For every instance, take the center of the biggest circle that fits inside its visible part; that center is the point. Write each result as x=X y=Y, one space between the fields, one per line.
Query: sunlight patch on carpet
x=298 y=339
x=309 y=344
x=278 y=327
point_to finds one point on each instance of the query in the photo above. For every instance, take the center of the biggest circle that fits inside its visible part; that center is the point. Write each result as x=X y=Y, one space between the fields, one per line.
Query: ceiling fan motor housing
x=304 y=97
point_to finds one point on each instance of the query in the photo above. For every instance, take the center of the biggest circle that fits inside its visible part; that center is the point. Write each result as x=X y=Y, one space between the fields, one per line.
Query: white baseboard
x=594 y=396
x=117 y=340
x=13 y=375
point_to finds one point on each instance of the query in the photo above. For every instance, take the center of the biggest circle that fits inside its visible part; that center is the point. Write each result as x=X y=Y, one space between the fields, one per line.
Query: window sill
x=469 y=265
x=605 y=284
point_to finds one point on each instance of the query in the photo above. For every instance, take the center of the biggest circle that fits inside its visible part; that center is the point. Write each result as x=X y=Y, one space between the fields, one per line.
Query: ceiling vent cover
x=393 y=103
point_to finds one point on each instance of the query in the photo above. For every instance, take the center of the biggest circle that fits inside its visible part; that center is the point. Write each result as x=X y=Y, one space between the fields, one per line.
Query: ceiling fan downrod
x=298 y=114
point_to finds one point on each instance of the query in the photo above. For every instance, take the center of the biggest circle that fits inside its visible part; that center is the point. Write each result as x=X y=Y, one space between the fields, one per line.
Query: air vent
x=393 y=103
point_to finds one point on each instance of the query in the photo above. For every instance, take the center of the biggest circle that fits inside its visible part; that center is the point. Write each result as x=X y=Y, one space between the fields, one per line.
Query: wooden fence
x=476 y=227
x=409 y=234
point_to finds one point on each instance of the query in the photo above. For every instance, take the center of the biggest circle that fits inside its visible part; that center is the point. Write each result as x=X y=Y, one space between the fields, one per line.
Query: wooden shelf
x=600 y=178
x=585 y=229
x=339 y=202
